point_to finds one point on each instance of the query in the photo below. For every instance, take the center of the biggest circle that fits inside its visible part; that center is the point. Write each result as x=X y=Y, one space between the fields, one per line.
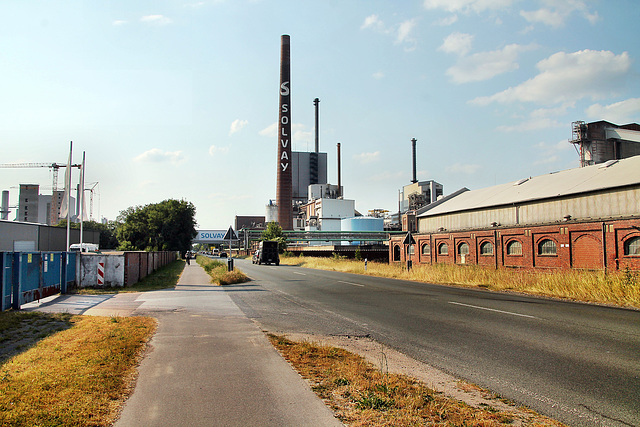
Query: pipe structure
x=284 y=187
x=413 y=148
x=339 y=178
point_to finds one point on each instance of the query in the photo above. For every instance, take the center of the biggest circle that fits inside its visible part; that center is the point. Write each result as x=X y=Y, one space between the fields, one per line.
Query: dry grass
x=362 y=395
x=218 y=272
x=77 y=377
x=620 y=288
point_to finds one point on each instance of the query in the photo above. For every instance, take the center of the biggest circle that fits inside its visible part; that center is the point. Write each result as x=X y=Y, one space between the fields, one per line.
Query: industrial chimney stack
x=413 y=148
x=339 y=178
x=284 y=187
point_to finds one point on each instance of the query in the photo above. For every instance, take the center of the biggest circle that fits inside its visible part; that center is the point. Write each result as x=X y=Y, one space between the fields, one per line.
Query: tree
x=274 y=232
x=165 y=226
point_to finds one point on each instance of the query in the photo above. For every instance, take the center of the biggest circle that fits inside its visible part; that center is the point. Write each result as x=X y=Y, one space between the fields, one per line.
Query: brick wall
x=592 y=245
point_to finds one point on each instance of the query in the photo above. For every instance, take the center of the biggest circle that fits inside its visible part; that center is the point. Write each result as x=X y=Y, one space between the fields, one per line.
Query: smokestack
x=284 y=190
x=339 y=179
x=4 y=212
x=316 y=102
x=413 y=148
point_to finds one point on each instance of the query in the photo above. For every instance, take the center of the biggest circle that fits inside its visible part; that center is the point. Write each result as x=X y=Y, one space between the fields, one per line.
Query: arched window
x=547 y=247
x=632 y=246
x=426 y=249
x=463 y=249
x=514 y=247
x=396 y=253
x=411 y=250
x=443 y=249
x=486 y=248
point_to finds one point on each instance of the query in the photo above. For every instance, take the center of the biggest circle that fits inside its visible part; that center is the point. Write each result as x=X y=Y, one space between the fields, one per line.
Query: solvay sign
x=285 y=126
x=210 y=236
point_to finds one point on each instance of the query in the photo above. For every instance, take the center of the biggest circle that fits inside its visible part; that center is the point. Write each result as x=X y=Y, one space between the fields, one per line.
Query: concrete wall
x=87 y=270
x=121 y=268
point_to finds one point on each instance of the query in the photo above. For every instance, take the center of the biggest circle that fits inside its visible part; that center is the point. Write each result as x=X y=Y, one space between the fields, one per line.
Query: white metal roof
x=609 y=175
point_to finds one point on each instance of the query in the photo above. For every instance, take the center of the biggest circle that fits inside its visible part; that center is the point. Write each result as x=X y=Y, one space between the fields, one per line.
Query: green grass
x=218 y=272
x=163 y=278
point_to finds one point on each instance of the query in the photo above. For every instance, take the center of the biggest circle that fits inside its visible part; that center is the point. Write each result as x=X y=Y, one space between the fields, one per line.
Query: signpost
x=231 y=235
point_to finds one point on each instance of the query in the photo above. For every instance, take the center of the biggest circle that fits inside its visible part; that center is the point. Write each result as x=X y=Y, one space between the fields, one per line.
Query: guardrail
x=30 y=276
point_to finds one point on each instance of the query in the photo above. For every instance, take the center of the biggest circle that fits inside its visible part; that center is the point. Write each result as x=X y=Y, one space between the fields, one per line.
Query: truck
x=267 y=253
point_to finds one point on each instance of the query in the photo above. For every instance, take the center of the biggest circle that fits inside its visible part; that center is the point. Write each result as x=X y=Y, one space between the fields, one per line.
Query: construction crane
x=54 y=166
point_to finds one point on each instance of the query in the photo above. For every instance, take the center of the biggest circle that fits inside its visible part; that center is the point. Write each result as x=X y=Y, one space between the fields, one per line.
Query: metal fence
x=30 y=276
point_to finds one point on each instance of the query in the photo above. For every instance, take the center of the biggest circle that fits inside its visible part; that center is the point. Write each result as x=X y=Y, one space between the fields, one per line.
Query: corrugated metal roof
x=609 y=175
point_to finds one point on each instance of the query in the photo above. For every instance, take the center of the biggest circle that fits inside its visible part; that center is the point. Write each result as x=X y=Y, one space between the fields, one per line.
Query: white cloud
x=214 y=149
x=534 y=123
x=622 y=112
x=270 y=131
x=237 y=125
x=404 y=31
x=373 y=22
x=156 y=155
x=449 y=20
x=550 y=153
x=557 y=12
x=462 y=168
x=567 y=77
x=467 y=5
x=486 y=65
x=365 y=158
x=156 y=20
x=378 y=75
x=458 y=43
x=119 y=22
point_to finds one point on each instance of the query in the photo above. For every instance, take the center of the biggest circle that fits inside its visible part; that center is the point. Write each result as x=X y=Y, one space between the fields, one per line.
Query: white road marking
x=349 y=283
x=302 y=274
x=491 y=309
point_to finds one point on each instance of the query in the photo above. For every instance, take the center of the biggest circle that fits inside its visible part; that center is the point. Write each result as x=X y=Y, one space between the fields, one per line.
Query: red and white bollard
x=100 y=273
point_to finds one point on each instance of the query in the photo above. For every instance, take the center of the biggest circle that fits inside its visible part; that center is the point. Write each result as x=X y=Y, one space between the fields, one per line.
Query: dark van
x=267 y=253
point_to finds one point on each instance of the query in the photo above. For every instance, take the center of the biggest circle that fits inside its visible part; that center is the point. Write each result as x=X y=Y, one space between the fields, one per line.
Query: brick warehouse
x=585 y=218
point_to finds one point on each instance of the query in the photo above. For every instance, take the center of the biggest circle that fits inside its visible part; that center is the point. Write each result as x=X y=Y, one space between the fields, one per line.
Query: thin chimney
x=316 y=102
x=339 y=178
x=413 y=148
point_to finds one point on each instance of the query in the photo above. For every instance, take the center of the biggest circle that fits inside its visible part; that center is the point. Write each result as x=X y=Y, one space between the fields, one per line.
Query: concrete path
x=207 y=365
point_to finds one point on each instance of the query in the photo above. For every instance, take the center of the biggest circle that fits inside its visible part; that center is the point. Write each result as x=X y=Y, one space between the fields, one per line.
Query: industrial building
x=599 y=142
x=586 y=218
x=29 y=237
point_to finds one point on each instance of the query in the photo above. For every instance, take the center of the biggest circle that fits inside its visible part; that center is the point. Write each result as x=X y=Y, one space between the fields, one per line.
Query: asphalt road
x=577 y=363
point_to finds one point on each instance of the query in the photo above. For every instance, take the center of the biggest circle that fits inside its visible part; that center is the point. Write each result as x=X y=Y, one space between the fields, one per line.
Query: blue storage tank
x=361 y=223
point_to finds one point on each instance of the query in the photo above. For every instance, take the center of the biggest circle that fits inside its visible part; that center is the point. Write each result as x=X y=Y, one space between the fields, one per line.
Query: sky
x=179 y=99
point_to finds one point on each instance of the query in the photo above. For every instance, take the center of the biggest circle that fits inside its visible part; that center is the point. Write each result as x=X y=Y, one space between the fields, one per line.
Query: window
x=632 y=246
x=426 y=249
x=463 y=249
x=396 y=253
x=411 y=250
x=547 y=247
x=514 y=247
x=486 y=248
x=443 y=249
